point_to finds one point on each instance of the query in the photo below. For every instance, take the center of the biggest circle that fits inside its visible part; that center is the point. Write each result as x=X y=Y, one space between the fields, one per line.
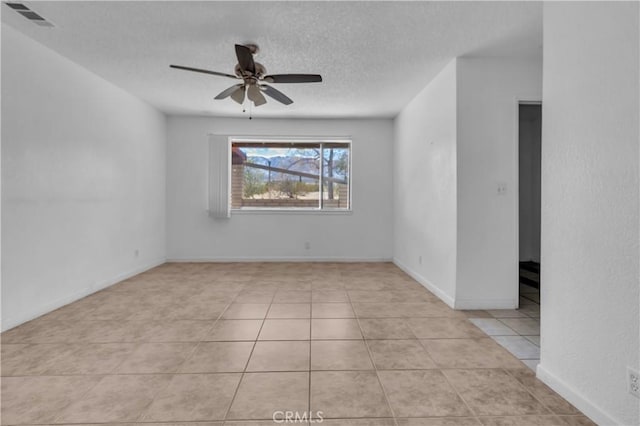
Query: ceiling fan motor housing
x=260 y=71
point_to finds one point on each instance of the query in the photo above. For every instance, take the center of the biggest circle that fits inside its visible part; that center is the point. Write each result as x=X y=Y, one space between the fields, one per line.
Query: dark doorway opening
x=529 y=171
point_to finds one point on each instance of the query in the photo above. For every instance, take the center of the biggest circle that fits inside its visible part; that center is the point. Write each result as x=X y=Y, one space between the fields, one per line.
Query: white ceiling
x=373 y=56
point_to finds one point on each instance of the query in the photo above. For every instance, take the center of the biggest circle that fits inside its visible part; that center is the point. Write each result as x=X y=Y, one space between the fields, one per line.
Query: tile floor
x=230 y=344
x=518 y=331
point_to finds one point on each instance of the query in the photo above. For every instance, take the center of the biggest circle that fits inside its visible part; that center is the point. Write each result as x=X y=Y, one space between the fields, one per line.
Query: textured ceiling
x=373 y=56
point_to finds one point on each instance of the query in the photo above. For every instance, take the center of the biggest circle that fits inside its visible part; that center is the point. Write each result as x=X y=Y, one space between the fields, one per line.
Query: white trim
x=341 y=259
x=289 y=139
x=590 y=409
x=11 y=322
x=291 y=210
x=426 y=283
x=297 y=140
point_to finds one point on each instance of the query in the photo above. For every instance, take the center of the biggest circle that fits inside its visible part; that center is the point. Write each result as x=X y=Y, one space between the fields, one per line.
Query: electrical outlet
x=419 y=260
x=633 y=382
x=307 y=245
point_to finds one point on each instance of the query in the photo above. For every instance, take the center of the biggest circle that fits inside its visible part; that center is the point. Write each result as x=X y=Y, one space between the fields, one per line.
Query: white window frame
x=298 y=141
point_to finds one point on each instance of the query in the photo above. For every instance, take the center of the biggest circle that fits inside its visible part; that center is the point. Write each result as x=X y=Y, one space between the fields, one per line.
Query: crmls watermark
x=297 y=417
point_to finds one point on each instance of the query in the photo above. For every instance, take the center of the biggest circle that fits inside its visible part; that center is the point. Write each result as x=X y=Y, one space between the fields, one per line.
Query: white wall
x=590 y=294
x=488 y=93
x=365 y=234
x=83 y=181
x=425 y=185
x=530 y=134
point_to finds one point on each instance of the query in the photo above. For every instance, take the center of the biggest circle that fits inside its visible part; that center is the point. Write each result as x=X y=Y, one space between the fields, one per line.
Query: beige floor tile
x=76 y=311
x=476 y=314
x=280 y=356
x=194 y=397
x=340 y=329
x=65 y=359
x=195 y=309
x=548 y=397
x=386 y=328
x=523 y=421
x=358 y=422
x=289 y=310
x=37 y=400
x=327 y=285
x=332 y=310
x=577 y=421
x=167 y=424
x=470 y=353
x=440 y=421
x=234 y=330
x=114 y=399
x=174 y=331
x=329 y=296
x=285 y=329
x=260 y=394
x=405 y=310
x=292 y=296
x=246 y=311
x=166 y=320
x=399 y=355
x=365 y=284
x=106 y=331
x=95 y=358
x=42 y=330
x=340 y=355
x=345 y=394
x=523 y=326
x=506 y=313
x=421 y=393
x=494 y=393
x=444 y=328
x=255 y=297
x=280 y=420
x=218 y=357
x=32 y=359
x=299 y=285
x=365 y=296
x=156 y=358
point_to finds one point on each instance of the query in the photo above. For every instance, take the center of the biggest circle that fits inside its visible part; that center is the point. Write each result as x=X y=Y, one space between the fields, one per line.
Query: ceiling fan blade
x=276 y=94
x=254 y=93
x=245 y=59
x=238 y=95
x=293 y=78
x=228 y=92
x=180 y=67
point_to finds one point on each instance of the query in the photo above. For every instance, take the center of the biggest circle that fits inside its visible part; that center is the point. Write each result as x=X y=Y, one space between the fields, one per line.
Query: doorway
x=529 y=190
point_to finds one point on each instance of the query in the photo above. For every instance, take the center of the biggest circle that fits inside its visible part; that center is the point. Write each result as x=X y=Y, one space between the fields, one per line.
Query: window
x=311 y=175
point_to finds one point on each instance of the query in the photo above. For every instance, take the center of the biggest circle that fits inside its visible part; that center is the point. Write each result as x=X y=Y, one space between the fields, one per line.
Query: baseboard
x=486 y=304
x=11 y=322
x=279 y=259
x=426 y=283
x=587 y=407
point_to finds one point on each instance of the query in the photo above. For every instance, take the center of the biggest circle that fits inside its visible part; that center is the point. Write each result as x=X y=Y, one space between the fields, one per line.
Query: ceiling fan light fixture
x=253 y=75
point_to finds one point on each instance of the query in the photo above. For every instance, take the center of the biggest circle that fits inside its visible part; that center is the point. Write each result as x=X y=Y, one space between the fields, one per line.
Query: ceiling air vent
x=29 y=14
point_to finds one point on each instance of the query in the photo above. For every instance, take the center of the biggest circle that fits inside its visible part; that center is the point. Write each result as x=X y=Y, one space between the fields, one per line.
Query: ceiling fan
x=253 y=79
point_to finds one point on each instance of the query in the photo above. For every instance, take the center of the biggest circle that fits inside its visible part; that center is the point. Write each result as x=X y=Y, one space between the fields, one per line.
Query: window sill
x=288 y=211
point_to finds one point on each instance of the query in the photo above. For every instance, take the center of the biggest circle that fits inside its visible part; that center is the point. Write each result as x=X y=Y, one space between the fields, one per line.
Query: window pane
x=335 y=176
x=275 y=175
